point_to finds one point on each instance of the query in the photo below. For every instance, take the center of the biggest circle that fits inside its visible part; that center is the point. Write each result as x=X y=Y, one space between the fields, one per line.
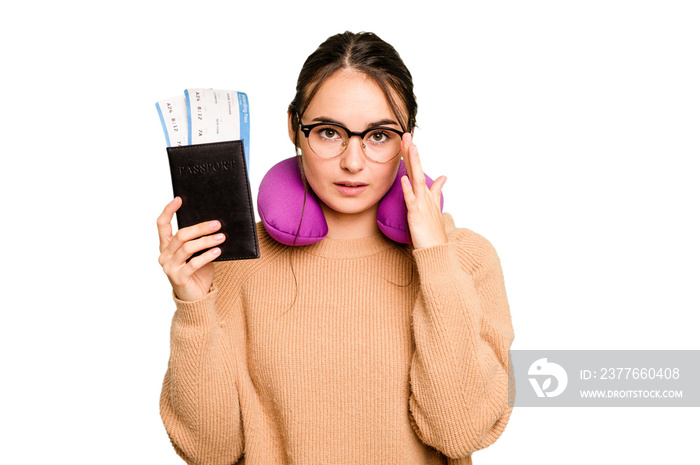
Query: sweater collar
x=350 y=248
x=360 y=247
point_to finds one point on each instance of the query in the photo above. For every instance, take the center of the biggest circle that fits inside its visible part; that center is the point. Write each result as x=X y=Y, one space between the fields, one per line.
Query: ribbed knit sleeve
x=199 y=401
x=459 y=400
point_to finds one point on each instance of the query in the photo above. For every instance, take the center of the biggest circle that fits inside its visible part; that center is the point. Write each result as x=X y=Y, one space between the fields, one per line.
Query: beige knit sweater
x=357 y=351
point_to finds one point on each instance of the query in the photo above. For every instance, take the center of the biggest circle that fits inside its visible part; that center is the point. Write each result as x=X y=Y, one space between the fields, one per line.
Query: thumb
x=436 y=188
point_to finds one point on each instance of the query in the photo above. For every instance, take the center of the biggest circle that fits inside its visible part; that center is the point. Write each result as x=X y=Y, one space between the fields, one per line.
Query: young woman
x=355 y=349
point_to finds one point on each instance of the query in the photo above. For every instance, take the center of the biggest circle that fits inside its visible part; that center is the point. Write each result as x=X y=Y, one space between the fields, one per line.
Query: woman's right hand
x=190 y=280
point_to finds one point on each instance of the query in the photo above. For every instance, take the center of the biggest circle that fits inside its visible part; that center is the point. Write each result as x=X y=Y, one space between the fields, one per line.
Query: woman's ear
x=290 y=127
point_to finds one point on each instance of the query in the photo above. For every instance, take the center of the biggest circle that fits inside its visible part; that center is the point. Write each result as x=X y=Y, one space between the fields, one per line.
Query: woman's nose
x=353 y=157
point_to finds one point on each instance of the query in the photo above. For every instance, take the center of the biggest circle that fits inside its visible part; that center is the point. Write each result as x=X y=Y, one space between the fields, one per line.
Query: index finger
x=414 y=170
x=416 y=167
x=165 y=230
x=406 y=141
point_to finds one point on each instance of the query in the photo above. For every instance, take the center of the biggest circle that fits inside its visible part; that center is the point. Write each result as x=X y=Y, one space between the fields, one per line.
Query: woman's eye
x=378 y=137
x=328 y=133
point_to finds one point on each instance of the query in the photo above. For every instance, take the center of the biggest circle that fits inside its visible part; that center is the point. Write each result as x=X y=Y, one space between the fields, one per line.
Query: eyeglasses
x=328 y=140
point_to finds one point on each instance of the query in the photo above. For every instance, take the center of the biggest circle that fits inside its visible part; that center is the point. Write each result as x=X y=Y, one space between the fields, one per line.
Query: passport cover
x=212 y=181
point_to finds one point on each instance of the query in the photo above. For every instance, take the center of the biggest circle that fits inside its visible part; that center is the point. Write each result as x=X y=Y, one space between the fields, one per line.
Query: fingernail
x=214 y=224
x=219 y=236
x=174 y=201
x=216 y=251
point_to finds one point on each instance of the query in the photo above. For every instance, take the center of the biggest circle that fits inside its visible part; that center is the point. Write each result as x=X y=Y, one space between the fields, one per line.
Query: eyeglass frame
x=306 y=130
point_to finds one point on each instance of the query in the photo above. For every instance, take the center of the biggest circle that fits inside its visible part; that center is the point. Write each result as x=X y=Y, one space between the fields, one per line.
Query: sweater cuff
x=196 y=313
x=437 y=262
x=444 y=283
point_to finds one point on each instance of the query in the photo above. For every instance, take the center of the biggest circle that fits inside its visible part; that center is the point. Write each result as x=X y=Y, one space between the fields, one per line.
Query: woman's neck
x=350 y=225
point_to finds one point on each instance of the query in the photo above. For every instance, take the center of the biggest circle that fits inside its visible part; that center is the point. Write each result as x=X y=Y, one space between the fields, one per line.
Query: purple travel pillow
x=281 y=200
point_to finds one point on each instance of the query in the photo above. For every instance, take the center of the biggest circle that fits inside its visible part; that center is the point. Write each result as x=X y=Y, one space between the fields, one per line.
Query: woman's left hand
x=425 y=221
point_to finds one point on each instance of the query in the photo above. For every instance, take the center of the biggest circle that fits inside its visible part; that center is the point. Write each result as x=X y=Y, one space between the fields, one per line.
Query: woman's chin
x=348 y=206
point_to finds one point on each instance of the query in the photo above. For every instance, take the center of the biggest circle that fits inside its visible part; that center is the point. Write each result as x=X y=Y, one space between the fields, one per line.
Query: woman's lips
x=350 y=188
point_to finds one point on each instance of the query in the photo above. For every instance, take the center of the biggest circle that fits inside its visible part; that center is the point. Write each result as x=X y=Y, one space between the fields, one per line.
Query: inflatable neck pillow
x=281 y=202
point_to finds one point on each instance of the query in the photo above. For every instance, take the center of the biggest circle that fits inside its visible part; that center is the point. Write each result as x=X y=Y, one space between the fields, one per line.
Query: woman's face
x=357 y=102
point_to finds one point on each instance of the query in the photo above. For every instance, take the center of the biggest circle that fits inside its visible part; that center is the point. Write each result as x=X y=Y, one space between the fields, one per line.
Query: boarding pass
x=202 y=116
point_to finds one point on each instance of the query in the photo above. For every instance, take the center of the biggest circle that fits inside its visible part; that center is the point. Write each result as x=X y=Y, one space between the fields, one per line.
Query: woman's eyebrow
x=325 y=119
x=383 y=122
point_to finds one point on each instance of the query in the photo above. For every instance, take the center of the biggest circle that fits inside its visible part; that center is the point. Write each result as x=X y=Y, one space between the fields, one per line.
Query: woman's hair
x=364 y=52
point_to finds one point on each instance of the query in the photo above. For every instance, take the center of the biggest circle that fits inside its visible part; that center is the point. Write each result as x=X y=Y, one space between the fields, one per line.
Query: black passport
x=212 y=181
